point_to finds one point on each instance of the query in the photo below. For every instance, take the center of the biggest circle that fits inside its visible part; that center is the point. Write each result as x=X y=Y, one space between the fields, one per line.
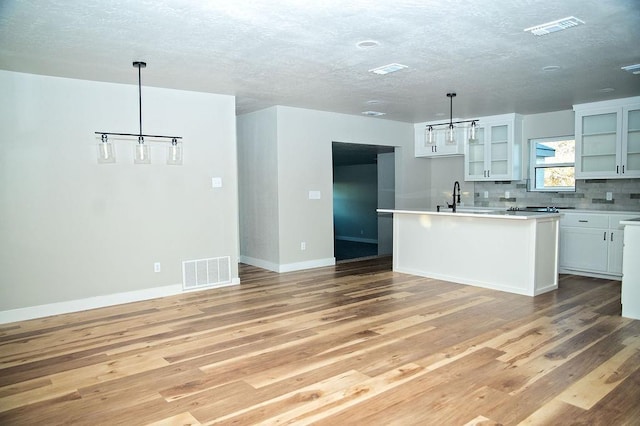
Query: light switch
x=216 y=182
x=314 y=195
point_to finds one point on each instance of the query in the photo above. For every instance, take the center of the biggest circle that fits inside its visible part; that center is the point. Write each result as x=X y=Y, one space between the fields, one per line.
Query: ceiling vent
x=373 y=113
x=633 y=69
x=555 y=26
x=388 y=69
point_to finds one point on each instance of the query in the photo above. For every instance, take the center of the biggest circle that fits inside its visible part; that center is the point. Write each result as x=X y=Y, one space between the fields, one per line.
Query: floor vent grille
x=206 y=272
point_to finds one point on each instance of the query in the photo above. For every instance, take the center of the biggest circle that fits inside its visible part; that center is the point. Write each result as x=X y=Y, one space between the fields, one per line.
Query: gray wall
x=258 y=185
x=386 y=200
x=71 y=228
x=304 y=139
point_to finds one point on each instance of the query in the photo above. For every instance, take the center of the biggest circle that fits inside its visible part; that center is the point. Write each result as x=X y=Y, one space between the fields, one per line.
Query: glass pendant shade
x=106 y=151
x=429 y=136
x=142 y=153
x=174 y=153
x=473 y=132
x=450 y=135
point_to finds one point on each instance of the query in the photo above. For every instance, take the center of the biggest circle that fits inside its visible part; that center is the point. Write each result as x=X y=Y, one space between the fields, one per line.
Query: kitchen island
x=516 y=252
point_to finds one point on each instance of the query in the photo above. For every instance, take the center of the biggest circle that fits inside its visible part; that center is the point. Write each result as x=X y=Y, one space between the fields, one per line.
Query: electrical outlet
x=156 y=267
x=486 y=194
x=303 y=245
x=609 y=196
x=507 y=194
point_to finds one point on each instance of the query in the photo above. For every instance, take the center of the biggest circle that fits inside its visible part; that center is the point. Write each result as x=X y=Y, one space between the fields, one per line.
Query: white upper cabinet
x=437 y=147
x=496 y=152
x=608 y=139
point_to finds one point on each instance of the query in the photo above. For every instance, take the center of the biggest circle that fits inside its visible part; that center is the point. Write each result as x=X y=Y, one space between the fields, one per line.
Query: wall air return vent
x=555 y=26
x=202 y=273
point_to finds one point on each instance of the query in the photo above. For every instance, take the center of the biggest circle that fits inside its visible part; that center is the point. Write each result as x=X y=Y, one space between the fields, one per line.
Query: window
x=552 y=164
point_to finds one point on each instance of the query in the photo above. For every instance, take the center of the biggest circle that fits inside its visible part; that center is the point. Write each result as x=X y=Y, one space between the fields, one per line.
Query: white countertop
x=631 y=222
x=480 y=213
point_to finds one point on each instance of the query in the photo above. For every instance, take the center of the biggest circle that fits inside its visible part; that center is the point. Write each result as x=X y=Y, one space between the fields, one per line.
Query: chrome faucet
x=453 y=206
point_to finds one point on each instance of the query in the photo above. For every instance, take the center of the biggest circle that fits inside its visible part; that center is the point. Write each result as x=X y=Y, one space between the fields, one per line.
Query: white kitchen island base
x=516 y=253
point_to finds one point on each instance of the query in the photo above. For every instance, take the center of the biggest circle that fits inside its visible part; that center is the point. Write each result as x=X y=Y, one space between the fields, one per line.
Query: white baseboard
x=299 y=266
x=269 y=266
x=288 y=267
x=40 y=311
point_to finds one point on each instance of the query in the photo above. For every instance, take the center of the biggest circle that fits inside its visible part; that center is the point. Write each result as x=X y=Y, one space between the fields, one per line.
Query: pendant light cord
x=139 y=65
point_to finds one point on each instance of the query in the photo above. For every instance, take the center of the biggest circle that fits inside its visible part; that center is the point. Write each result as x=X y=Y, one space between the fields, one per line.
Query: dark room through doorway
x=363 y=181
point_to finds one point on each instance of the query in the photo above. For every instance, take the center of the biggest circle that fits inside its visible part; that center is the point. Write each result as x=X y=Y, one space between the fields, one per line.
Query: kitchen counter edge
x=520 y=215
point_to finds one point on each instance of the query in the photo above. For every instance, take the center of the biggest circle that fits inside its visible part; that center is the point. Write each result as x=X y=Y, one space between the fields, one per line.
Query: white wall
x=305 y=164
x=71 y=228
x=545 y=125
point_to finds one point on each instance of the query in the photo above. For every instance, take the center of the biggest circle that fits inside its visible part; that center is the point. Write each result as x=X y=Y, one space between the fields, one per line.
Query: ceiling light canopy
x=142 y=155
x=388 y=69
x=367 y=44
x=554 y=26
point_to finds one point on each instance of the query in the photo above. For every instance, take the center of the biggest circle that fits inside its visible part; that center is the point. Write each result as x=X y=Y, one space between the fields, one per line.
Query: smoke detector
x=555 y=26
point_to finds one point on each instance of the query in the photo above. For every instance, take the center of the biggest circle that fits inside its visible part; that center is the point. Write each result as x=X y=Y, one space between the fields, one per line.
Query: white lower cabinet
x=592 y=244
x=584 y=249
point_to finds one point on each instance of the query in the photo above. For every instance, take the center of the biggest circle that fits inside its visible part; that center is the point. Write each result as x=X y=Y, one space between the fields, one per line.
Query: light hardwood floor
x=355 y=344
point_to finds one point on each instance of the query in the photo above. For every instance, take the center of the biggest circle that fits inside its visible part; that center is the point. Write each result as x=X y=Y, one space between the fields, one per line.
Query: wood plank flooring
x=355 y=344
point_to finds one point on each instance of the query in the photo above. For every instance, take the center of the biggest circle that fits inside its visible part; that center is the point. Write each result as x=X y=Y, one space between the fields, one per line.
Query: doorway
x=363 y=181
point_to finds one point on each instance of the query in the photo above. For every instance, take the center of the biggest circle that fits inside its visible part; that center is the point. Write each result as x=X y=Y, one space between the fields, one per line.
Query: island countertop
x=480 y=213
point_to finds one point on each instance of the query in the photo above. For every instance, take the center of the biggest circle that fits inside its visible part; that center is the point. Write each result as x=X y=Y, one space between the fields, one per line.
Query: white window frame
x=533 y=166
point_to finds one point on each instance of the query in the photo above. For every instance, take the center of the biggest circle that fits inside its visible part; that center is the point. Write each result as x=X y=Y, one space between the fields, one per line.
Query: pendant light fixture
x=142 y=151
x=106 y=151
x=450 y=130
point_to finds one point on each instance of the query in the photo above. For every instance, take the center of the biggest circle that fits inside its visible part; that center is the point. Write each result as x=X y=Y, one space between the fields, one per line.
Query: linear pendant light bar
x=450 y=131
x=106 y=153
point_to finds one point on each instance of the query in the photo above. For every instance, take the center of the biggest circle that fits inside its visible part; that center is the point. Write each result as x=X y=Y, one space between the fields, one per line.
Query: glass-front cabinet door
x=598 y=140
x=630 y=150
x=500 y=166
x=475 y=158
x=495 y=153
x=608 y=139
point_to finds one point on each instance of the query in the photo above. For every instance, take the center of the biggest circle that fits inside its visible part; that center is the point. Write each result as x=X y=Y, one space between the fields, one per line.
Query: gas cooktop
x=541 y=209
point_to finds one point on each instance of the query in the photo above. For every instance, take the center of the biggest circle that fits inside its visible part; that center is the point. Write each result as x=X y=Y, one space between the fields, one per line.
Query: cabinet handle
x=605 y=236
x=617 y=170
x=583 y=221
x=623 y=169
x=612 y=236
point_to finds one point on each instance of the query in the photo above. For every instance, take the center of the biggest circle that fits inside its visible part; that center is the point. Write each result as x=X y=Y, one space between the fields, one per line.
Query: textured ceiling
x=303 y=53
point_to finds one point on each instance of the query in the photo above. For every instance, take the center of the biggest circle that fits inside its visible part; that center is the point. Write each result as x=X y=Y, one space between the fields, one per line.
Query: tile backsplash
x=590 y=194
